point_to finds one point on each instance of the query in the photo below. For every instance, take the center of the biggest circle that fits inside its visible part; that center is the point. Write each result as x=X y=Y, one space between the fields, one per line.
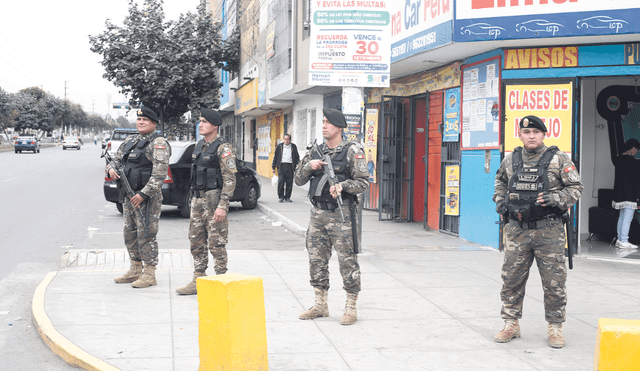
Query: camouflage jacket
x=564 y=181
x=228 y=170
x=357 y=165
x=158 y=152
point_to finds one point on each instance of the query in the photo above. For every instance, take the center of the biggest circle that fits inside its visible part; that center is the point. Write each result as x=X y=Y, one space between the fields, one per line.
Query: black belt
x=199 y=193
x=330 y=206
x=551 y=220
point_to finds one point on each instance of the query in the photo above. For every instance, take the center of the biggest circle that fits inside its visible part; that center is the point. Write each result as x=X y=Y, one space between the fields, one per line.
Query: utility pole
x=64 y=109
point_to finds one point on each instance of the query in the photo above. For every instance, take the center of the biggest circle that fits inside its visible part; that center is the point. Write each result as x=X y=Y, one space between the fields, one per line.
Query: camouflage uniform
x=326 y=228
x=546 y=244
x=203 y=231
x=139 y=248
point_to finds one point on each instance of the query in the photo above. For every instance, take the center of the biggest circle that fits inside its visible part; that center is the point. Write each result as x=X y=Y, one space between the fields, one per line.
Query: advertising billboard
x=350 y=43
x=528 y=19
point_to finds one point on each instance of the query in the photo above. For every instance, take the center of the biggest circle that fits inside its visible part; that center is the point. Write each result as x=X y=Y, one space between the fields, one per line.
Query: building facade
x=462 y=74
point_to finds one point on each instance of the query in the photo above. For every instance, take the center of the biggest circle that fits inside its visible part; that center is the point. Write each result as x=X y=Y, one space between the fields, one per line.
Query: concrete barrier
x=617 y=345
x=232 y=328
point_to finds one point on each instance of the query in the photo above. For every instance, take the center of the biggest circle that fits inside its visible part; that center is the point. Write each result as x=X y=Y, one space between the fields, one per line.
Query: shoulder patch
x=359 y=156
x=569 y=168
x=225 y=154
x=160 y=147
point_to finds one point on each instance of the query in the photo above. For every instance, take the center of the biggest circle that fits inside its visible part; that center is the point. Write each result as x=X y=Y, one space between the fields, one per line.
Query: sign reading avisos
x=350 y=43
x=553 y=103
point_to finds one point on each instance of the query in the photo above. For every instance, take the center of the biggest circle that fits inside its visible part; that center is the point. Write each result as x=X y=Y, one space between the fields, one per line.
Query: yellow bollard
x=232 y=328
x=617 y=345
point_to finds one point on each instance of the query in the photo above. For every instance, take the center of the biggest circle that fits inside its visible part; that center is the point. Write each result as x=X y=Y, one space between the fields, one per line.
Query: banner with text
x=553 y=103
x=526 y=19
x=418 y=26
x=350 y=43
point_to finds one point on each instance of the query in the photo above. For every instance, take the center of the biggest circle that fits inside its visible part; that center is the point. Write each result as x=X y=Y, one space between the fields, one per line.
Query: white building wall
x=304 y=106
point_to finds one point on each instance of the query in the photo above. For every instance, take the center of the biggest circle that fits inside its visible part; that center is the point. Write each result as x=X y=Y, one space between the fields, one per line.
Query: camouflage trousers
x=326 y=229
x=205 y=232
x=547 y=246
x=139 y=247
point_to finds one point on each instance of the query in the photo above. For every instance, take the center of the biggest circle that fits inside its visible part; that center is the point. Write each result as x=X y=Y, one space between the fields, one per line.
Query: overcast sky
x=45 y=43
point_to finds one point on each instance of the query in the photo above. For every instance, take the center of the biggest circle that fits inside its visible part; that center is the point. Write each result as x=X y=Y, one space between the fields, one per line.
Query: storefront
x=589 y=98
x=408 y=183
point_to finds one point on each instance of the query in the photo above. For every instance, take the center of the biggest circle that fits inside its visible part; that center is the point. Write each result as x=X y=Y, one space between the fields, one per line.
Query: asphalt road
x=52 y=202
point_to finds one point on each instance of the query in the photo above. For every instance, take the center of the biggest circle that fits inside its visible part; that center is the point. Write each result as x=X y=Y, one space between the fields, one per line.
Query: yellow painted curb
x=59 y=344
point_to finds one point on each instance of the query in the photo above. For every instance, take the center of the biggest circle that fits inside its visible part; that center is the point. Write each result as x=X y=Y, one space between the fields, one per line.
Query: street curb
x=59 y=344
x=286 y=222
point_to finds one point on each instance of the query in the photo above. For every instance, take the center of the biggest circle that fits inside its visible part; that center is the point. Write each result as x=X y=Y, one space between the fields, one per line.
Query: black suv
x=175 y=190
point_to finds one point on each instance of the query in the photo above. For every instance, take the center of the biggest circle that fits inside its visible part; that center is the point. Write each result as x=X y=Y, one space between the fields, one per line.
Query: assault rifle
x=329 y=176
x=567 y=218
x=129 y=192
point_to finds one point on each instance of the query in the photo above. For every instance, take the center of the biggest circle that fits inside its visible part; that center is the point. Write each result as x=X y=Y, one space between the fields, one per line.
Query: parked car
x=117 y=137
x=71 y=142
x=27 y=143
x=176 y=187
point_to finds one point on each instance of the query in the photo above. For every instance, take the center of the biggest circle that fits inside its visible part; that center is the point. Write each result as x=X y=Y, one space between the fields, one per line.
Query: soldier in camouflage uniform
x=534 y=186
x=326 y=228
x=213 y=180
x=146 y=161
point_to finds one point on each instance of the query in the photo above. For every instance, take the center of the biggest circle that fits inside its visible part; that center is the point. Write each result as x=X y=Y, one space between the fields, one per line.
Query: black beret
x=532 y=122
x=212 y=116
x=148 y=112
x=631 y=143
x=335 y=117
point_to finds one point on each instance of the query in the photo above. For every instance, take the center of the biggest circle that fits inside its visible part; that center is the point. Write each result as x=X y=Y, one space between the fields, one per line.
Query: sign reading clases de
x=350 y=43
x=553 y=103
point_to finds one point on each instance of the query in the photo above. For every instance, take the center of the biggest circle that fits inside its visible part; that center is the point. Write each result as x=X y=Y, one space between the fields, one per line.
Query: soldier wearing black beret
x=213 y=180
x=148 y=113
x=335 y=117
x=327 y=228
x=145 y=158
x=534 y=187
x=532 y=122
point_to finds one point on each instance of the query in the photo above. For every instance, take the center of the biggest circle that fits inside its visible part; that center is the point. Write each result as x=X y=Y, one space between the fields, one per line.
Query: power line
x=26 y=61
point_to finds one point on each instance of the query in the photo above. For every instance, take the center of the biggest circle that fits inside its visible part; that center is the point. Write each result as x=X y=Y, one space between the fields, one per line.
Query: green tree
x=26 y=106
x=171 y=67
x=6 y=110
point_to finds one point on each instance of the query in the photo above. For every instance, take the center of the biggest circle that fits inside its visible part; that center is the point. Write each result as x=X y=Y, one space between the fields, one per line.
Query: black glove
x=549 y=199
x=501 y=208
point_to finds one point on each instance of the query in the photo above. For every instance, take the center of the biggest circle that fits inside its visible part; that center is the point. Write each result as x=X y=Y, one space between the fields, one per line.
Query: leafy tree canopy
x=37 y=110
x=171 y=67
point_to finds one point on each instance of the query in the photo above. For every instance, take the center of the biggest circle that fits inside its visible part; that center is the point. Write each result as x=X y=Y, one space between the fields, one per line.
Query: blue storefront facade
x=572 y=62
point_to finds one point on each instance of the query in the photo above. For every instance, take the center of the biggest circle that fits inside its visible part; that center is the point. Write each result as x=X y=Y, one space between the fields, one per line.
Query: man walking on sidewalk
x=145 y=157
x=534 y=186
x=326 y=227
x=285 y=160
x=213 y=180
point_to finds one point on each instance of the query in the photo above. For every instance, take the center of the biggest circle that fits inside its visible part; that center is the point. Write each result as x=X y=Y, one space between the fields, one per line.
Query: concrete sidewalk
x=429 y=301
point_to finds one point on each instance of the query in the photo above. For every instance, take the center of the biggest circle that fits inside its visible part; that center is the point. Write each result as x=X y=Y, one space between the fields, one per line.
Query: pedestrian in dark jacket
x=627 y=180
x=285 y=161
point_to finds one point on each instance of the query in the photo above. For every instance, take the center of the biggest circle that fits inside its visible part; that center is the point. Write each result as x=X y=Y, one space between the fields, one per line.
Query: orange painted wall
x=435 y=144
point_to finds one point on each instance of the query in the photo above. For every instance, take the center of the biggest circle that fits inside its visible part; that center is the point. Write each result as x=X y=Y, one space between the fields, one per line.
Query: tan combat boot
x=190 y=288
x=147 y=279
x=134 y=272
x=350 y=312
x=320 y=308
x=556 y=340
x=511 y=330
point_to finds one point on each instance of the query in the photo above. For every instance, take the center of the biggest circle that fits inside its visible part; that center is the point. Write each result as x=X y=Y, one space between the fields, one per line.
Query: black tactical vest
x=339 y=161
x=137 y=166
x=205 y=167
x=525 y=185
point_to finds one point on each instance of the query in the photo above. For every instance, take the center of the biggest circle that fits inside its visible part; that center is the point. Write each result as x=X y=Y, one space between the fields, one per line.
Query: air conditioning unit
x=252 y=73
